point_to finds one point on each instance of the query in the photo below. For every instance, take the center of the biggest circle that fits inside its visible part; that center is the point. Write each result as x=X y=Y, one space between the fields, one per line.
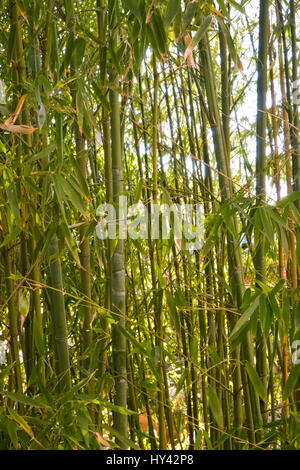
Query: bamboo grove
x=142 y=343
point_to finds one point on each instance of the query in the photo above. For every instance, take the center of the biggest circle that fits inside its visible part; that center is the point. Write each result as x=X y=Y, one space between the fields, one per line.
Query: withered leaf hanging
x=9 y=124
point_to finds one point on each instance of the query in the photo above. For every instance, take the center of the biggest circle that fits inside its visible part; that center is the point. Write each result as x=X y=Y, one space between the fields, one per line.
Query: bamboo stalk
x=118 y=259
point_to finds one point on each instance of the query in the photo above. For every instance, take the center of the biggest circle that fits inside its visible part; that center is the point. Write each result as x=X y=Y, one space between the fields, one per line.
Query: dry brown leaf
x=18 y=129
x=188 y=55
x=13 y=117
x=149 y=14
x=187 y=39
x=102 y=441
x=9 y=125
x=24 y=16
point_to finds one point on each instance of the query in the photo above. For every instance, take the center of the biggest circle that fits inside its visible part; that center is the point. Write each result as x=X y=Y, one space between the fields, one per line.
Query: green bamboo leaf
x=73 y=440
x=298 y=247
x=227 y=211
x=296 y=316
x=274 y=214
x=172 y=310
x=230 y=44
x=181 y=381
x=277 y=288
x=296 y=213
x=202 y=30
x=133 y=341
x=13 y=201
x=189 y=14
x=173 y=8
x=284 y=240
x=274 y=307
x=37 y=337
x=25 y=400
x=46 y=152
x=235 y=4
x=161 y=280
x=140 y=348
x=198 y=36
x=53 y=47
x=216 y=360
x=101 y=94
x=78 y=51
x=5 y=372
x=3 y=110
x=159 y=32
x=177 y=25
x=223 y=8
x=194 y=349
x=116 y=408
x=291 y=382
x=126 y=442
x=113 y=86
x=267 y=226
x=69 y=240
x=256 y=382
x=12 y=432
x=215 y=406
x=244 y=318
x=138 y=192
x=43 y=83
x=59 y=138
x=207 y=440
x=20 y=420
x=69 y=50
x=134 y=7
x=199 y=435
x=89 y=119
x=266 y=314
x=70 y=193
x=60 y=196
x=285 y=201
x=286 y=311
x=151 y=39
x=11 y=236
x=77 y=179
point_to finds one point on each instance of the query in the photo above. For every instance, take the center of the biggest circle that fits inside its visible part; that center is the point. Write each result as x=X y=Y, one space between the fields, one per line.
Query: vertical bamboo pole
x=118 y=257
x=157 y=293
x=59 y=317
x=261 y=121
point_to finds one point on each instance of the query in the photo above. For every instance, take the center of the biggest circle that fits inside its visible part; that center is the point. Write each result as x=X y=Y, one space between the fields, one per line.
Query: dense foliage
x=149 y=342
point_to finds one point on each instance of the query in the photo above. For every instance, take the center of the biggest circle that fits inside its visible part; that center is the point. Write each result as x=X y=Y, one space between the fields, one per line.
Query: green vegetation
x=149 y=342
